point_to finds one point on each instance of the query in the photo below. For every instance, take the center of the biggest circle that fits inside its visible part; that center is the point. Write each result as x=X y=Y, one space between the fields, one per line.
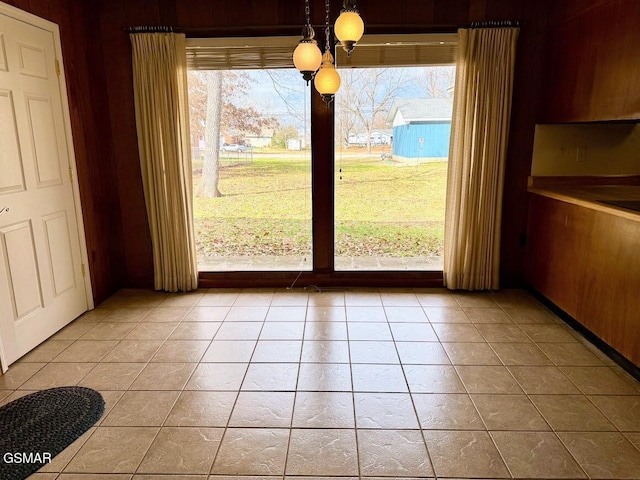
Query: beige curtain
x=160 y=89
x=479 y=133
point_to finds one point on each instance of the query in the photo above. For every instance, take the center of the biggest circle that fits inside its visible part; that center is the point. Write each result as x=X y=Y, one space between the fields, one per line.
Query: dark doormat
x=37 y=427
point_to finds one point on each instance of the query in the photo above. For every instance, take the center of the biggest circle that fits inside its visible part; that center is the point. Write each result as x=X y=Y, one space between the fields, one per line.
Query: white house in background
x=378 y=137
x=261 y=140
x=382 y=136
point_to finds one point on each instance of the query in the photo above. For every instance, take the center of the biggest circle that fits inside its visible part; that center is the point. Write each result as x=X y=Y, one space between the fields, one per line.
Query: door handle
x=4 y=209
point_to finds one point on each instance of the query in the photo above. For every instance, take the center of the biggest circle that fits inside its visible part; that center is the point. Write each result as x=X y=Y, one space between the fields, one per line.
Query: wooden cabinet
x=556 y=245
x=587 y=263
x=590 y=63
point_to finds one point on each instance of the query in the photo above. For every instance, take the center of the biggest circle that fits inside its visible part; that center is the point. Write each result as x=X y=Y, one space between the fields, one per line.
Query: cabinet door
x=557 y=250
x=610 y=305
x=586 y=262
x=590 y=67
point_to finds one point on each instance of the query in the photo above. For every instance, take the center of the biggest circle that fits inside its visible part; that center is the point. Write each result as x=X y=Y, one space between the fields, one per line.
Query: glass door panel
x=250 y=132
x=392 y=145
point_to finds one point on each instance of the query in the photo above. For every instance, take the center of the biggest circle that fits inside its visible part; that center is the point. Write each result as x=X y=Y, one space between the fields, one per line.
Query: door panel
x=12 y=178
x=18 y=250
x=60 y=252
x=33 y=61
x=41 y=282
x=3 y=55
x=42 y=131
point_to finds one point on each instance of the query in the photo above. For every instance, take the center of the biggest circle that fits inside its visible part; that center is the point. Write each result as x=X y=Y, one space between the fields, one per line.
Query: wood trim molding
x=548 y=181
x=308 y=279
x=603 y=346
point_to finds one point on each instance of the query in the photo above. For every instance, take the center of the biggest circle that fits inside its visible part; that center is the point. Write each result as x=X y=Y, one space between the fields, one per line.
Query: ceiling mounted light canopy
x=307 y=57
x=349 y=26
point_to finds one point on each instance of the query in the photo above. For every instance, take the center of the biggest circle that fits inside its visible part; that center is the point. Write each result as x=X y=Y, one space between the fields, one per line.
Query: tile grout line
x=105 y=414
x=566 y=447
x=527 y=395
x=493 y=442
x=174 y=402
x=295 y=393
x=554 y=363
x=227 y=426
x=410 y=393
x=101 y=420
x=353 y=392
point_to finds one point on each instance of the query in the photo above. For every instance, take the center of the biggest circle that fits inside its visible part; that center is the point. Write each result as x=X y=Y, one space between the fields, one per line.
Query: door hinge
x=57 y=67
x=70 y=174
x=83 y=270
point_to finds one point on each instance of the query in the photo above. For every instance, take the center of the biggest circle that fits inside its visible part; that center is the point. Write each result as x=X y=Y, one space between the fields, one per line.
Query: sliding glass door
x=391 y=147
x=368 y=195
x=251 y=170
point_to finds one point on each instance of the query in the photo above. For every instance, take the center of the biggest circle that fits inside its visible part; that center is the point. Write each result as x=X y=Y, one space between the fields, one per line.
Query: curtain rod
x=149 y=29
x=216 y=28
x=282 y=28
x=495 y=24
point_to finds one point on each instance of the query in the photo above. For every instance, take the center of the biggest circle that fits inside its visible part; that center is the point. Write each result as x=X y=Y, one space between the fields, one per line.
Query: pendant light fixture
x=327 y=79
x=307 y=56
x=349 y=26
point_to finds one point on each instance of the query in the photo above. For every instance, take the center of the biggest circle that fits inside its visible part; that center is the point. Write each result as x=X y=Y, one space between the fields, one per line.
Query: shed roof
x=421 y=109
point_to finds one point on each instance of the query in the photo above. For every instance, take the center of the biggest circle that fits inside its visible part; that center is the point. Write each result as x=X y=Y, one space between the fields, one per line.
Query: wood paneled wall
x=592 y=62
x=97 y=58
x=265 y=17
x=92 y=138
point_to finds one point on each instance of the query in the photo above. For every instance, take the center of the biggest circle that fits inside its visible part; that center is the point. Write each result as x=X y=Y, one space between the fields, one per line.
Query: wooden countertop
x=589 y=192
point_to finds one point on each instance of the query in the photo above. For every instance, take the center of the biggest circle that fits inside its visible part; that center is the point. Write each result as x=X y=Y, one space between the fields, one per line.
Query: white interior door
x=42 y=287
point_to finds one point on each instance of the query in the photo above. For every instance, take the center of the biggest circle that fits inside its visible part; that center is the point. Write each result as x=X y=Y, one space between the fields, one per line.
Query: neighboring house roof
x=383 y=131
x=421 y=109
x=264 y=133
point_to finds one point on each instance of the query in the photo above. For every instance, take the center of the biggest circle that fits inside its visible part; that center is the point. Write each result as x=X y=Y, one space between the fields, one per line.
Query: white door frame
x=48 y=26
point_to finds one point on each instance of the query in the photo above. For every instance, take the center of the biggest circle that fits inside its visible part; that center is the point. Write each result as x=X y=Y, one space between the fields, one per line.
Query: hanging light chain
x=326 y=30
x=327 y=80
x=307 y=56
x=307 y=11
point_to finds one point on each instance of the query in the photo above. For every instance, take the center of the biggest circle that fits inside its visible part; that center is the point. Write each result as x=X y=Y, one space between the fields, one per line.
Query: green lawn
x=381 y=208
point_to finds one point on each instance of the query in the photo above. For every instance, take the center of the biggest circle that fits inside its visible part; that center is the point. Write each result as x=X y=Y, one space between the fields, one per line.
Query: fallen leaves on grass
x=380 y=210
x=253 y=237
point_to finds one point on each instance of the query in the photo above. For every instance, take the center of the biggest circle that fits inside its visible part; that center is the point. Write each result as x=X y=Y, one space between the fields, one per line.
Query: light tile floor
x=355 y=383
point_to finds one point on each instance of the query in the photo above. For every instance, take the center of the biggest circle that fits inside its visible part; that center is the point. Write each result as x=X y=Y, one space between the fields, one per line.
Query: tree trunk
x=369 y=124
x=210 y=174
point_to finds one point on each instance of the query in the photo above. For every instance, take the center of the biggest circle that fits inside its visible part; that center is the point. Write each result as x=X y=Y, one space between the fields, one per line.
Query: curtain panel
x=477 y=155
x=161 y=104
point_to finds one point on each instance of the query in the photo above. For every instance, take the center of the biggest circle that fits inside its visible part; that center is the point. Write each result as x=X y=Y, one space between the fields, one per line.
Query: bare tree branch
x=437 y=82
x=368 y=94
x=287 y=85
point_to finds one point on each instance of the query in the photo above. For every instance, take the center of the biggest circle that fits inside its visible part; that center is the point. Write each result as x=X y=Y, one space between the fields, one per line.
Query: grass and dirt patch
x=381 y=208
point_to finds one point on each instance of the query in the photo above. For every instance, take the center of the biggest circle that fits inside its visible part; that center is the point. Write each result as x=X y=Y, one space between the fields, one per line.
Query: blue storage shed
x=421 y=129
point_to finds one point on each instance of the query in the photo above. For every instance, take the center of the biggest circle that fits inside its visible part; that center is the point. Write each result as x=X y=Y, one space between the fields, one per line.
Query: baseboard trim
x=603 y=346
x=321 y=279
